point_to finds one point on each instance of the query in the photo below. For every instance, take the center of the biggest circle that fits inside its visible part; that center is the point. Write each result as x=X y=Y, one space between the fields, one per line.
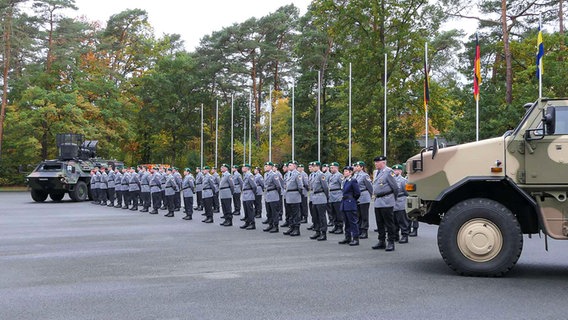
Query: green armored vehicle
x=485 y=195
x=70 y=173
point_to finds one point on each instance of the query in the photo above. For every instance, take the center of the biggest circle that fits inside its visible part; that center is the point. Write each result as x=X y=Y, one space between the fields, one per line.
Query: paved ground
x=80 y=261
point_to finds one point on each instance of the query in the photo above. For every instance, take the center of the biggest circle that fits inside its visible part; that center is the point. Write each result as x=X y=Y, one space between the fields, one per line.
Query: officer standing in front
x=294 y=187
x=207 y=196
x=272 y=197
x=385 y=190
x=350 y=194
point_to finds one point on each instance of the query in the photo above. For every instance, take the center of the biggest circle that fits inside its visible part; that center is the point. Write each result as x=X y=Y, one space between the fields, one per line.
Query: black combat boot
x=274 y=229
x=251 y=226
x=413 y=232
x=310 y=227
x=354 y=242
x=170 y=214
x=390 y=246
x=315 y=235
x=295 y=232
x=322 y=237
x=144 y=209
x=265 y=221
x=363 y=234
x=287 y=232
x=403 y=239
x=244 y=226
x=285 y=225
x=187 y=216
x=347 y=239
x=154 y=211
x=267 y=229
x=380 y=245
x=208 y=220
x=339 y=229
x=304 y=220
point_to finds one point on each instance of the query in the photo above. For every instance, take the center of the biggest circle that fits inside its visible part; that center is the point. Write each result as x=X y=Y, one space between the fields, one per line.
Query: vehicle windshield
x=48 y=167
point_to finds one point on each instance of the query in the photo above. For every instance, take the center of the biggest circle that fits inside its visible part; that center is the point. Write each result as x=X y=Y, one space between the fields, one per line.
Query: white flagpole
x=350 y=74
x=244 y=140
x=202 y=135
x=318 y=115
x=385 y=111
x=426 y=106
x=250 y=127
x=477 y=119
x=216 y=131
x=232 y=128
x=270 y=126
x=293 y=142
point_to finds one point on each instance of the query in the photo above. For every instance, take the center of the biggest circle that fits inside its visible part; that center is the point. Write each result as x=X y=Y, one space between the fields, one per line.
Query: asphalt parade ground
x=80 y=261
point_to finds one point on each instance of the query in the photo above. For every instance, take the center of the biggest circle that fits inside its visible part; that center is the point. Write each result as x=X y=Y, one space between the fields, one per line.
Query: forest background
x=140 y=94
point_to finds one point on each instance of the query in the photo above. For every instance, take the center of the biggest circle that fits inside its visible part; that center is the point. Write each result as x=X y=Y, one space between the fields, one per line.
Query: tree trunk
x=7 y=53
x=561 y=17
x=508 y=57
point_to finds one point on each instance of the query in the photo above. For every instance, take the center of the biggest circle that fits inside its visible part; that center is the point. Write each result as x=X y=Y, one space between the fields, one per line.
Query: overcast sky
x=189 y=18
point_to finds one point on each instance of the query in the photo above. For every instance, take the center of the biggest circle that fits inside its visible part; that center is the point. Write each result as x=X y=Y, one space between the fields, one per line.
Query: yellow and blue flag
x=540 y=54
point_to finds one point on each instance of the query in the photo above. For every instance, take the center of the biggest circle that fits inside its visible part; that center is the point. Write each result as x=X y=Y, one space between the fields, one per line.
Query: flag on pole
x=476 y=70
x=540 y=53
x=426 y=82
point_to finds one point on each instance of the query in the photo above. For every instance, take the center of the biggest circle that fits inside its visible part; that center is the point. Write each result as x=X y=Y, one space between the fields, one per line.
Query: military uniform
x=103 y=187
x=320 y=193
x=118 y=188
x=226 y=189
x=217 y=180
x=294 y=188
x=171 y=189
x=330 y=216
x=95 y=187
x=248 y=197
x=145 y=191
x=304 y=193
x=272 y=187
x=364 y=202
x=350 y=194
x=111 y=191
x=207 y=196
x=199 y=189
x=335 y=195
x=385 y=189
x=238 y=183
x=401 y=222
x=125 y=192
x=259 y=180
x=177 y=197
x=134 y=189
x=188 y=188
x=285 y=179
x=156 y=191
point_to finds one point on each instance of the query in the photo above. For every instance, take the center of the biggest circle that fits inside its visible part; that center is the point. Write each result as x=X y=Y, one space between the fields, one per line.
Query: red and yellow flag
x=476 y=70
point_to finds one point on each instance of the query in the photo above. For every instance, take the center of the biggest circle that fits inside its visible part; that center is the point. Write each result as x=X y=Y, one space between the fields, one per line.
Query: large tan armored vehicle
x=485 y=195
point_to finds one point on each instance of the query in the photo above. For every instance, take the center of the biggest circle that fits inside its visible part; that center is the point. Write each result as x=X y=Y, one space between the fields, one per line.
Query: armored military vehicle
x=485 y=195
x=69 y=173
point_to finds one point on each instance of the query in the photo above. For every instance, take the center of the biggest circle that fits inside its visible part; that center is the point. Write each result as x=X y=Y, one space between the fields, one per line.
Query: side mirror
x=435 y=147
x=549 y=120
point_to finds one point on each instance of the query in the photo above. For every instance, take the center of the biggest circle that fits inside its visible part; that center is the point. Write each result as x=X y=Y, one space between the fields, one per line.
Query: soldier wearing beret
x=155 y=190
x=145 y=190
x=327 y=173
x=285 y=177
x=95 y=185
x=304 y=193
x=238 y=182
x=335 y=195
x=199 y=188
x=171 y=188
x=280 y=178
x=217 y=180
x=401 y=221
x=364 y=202
x=226 y=189
x=103 y=186
x=350 y=194
x=118 y=187
x=249 y=196
x=385 y=190
x=208 y=192
x=320 y=193
x=259 y=180
x=111 y=191
x=272 y=188
x=134 y=188
x=294 y=187
x=125 y=192
x=188 y=189
x=179 y=180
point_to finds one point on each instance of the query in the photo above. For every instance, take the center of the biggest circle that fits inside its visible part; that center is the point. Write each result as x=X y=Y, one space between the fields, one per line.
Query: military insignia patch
x=392 y=173
x=323 y=177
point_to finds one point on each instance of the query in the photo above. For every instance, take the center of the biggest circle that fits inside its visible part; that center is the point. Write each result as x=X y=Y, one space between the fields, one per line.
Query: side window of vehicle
x=561 y=121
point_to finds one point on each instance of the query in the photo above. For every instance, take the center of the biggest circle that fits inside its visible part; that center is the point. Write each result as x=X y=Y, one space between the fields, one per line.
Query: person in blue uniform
x=351 y=194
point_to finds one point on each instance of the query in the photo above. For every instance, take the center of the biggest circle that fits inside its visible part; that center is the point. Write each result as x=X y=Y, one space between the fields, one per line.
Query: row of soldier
x=336 y=200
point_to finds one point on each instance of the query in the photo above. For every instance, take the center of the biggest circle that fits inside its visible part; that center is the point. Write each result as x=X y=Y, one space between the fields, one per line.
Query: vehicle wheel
x=80 y=193
x=39 y=195
x=480 y=237
x=57 y=196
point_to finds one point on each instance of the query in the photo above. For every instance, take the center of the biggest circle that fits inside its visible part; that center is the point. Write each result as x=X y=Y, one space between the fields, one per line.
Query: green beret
x=325 y=165
x=226 y=166
x=170 y=169
x=380 y=158
x=187 y=169
x=197 y=168
x=293 y=162
x=397 y=167
x=207 y=168
x=316 y=163
x=360 y=163
x=246 y=165
x=235 y=166
x=269 y=163
x=335 y=164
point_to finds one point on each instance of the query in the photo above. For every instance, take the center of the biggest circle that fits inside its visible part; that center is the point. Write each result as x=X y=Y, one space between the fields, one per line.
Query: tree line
x=140 y=94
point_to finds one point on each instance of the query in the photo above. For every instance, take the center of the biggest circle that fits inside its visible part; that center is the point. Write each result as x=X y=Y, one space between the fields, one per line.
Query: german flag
x=426 y=82
x=476 y=70
x=540 y=54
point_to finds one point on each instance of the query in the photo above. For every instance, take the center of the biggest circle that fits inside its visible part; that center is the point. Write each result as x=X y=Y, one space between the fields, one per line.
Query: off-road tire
x=57 y=196
x=480 y=237
x=80 y=192
x=39 y=195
